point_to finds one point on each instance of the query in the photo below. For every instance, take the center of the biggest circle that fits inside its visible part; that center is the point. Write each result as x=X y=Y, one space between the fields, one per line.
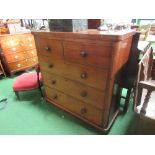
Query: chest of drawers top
x=91 y=34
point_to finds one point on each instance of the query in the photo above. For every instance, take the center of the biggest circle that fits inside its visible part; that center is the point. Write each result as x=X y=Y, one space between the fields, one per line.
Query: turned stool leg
x=17 y=94
x=145 y=104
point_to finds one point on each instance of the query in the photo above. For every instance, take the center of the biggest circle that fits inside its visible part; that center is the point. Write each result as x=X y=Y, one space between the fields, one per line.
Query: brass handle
x=47 y=48
x=53 y=82
x=83 y=75
x=83 y=93
x=55 y=96
x=83 y=54
x=83 y=110
x=50 y=66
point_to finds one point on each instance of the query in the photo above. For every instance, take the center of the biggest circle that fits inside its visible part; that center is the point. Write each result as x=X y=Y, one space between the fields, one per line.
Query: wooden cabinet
x=80 y=70
x=18 y=51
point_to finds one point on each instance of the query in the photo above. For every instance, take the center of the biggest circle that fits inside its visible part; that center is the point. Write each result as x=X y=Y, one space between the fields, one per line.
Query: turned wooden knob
x=53 y=81
x=83 y=111
x=83 y=54
x=50 y=66
x=47 y=48
x=83 y=93
x=55 y=96
x=83 y=75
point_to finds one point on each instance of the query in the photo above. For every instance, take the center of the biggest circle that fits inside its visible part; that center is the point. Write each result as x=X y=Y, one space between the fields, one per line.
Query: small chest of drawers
x=18 y=51
x=79 y=71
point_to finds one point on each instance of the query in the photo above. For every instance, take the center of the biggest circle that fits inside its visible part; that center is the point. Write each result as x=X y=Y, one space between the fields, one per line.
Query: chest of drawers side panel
x=120 y=54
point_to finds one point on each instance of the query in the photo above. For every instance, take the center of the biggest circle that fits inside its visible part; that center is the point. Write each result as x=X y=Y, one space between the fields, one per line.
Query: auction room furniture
x=2 y=72
x=79 y=71
x=28 y=81
x=18 y=51
x=128 y=76
x=145 y=94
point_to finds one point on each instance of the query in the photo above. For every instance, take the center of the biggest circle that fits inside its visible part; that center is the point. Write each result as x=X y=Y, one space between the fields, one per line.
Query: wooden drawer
x=10 y=44
x=75 y=89
x=14 y=57
x=49 y=47
x=17 y=43
x=88 y=53
x=22 y=64
x=20 y=56
x=27 y=42
x=31 y=61
x=30 y=53
x=75 y=106
x=85 y=75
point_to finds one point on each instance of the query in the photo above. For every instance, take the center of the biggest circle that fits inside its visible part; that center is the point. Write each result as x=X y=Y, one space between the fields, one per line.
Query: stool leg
x=17 y=94
x=41 y=93
x=2 y=69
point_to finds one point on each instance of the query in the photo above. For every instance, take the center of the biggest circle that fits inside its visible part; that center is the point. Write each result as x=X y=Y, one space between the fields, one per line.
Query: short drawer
x=90 y=76
x=30 y=53
x=49 y=47
x=10 y=44
x=17 y=56
x=88 y=54
x=17 y=43
x=31 y=61
x=77 y=107
x=14 y=57
x=75 y=89
x=22 y=64
x=27 y=42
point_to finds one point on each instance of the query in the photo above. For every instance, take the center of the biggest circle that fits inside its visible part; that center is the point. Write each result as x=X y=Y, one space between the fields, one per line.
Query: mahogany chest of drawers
x=18 y=51
x=79 y=70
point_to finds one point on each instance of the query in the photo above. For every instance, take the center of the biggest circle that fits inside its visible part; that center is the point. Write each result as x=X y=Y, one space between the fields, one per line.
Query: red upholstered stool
x=28 y=81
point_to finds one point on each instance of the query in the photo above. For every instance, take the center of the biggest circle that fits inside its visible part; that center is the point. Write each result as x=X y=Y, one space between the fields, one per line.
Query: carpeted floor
x=34 y=116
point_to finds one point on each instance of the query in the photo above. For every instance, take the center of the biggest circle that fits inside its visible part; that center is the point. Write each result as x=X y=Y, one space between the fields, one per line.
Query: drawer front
x=90 y=76
x=88 y=112
x=31 y=61
x=27 y=42
x=88 y=54
x=17 y=56
x=75 y=89
x=22 y=64
x=49 y=47
x=10 y=44
x=17 y=43
x=14 y=57
x=30 y=53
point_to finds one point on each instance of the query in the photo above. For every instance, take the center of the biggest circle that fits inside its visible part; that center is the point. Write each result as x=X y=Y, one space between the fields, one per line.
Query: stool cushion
x=26 y=81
